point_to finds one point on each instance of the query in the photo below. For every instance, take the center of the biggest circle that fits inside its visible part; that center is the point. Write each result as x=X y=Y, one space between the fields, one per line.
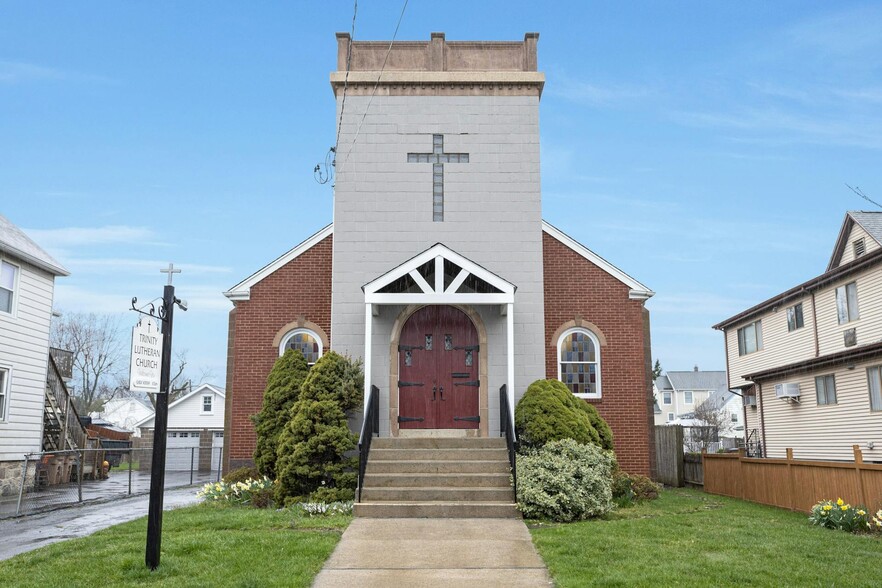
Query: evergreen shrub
x=282 y=391
x=548 y=411
x=631 y=488
x=565 y=481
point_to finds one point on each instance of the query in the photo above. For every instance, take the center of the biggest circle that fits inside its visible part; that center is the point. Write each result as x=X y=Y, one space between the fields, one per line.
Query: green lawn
x=203 y=545
x=690 y=538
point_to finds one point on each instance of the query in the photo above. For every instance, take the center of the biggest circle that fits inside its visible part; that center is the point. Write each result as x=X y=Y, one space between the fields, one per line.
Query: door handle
x=442 y=392
x=434 y=390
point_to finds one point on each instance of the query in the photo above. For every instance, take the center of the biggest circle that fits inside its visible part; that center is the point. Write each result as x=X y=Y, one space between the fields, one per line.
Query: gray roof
x=699 y=380
x=662 y=383
x=719 y=398
x=656 y=408
x=870 y=221
x=14 y=242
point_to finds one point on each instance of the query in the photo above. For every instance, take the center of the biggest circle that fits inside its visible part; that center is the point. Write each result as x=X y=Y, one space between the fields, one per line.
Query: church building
x=438 y=269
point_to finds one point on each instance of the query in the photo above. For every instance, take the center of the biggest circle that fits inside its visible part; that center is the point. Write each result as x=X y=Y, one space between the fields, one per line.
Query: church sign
x=146 y=357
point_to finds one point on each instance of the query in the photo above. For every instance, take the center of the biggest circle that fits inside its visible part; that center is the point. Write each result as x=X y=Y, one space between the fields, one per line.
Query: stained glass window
x=304 y=341
x=579 y=360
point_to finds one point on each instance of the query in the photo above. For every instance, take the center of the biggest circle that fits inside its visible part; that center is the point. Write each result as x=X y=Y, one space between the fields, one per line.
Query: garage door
x=178 y=451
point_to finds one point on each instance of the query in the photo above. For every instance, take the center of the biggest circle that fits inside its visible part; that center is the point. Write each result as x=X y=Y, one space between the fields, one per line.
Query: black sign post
x=160 y=434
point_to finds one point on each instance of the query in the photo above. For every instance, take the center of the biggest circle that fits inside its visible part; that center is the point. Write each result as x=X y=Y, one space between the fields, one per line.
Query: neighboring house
x=27 y=283
x=125 y=412
x=809 y=360
x=679 y=393
x=438 y=270
x=195 y=429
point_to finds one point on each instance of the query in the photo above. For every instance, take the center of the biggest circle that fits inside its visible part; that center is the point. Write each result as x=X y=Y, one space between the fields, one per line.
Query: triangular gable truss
x=439 y=275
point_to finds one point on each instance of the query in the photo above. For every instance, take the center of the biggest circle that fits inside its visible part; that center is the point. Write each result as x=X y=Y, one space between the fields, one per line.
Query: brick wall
x=299 y=290
x=577 y=290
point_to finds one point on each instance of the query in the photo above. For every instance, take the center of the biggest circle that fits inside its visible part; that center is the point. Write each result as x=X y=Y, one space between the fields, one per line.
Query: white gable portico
x=438 y=276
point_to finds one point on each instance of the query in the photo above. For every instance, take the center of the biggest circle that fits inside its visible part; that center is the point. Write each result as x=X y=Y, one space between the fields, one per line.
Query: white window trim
x=688 y=396
x=16 y=287
x=300 y=331
x=671 y=418
x=207 y=412
x=667 y=398
x=7 y=383
x=597 y=355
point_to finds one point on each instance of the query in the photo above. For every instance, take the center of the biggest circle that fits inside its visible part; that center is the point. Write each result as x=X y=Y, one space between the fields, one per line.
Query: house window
x=667 y=398
x=8 y=275
x=305 y=341
x=578 y=351
x=825 y=387
x=734 y=417
x=4 y=392
x=670 y=417
x=794 y=317
x=206 y=403
x=750 y=338
x=847 y=303
x=860 y=247
x=687 y=396
x=218 y=434
x=874 y=375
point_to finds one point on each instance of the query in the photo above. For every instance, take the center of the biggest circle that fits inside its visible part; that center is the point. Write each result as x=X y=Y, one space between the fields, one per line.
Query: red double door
x=438 y=382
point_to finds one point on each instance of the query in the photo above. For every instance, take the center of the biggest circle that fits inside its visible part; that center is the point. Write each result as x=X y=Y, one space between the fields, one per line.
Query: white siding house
x=807 y=360
x=195 y=429
x=125 y=413
x=27 y=281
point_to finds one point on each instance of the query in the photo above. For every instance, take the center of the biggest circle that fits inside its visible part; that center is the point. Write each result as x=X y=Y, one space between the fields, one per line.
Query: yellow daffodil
x=861 y=512
x=844 y=508
x=839 y=502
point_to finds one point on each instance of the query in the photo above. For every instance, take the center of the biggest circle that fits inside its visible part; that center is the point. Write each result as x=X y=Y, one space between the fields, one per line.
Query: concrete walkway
x=434 y=552
x=27 y=533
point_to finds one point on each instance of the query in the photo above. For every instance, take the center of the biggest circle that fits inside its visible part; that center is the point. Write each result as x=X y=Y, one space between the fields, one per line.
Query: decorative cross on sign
x=170 y=270
x=437 y=158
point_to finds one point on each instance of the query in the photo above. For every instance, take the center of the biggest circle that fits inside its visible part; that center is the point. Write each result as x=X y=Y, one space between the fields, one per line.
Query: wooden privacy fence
x=693 y=469
x=669 y=454
x=794 y=484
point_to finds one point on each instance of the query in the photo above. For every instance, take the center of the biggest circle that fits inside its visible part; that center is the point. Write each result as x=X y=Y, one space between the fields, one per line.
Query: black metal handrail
x=506 y=429
x=369 y=428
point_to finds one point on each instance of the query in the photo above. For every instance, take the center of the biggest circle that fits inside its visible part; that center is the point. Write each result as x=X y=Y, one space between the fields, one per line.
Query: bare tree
x=98 y=354
x=181 y=380
x=712 y=421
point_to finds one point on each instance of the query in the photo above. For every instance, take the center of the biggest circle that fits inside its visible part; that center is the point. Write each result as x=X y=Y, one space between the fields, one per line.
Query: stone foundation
x=10 y=476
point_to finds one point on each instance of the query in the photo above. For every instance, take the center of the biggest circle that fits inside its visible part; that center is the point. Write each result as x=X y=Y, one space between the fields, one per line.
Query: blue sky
x=703 y=147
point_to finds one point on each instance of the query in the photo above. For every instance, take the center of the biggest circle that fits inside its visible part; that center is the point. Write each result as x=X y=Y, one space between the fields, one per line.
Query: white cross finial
x=170 y=271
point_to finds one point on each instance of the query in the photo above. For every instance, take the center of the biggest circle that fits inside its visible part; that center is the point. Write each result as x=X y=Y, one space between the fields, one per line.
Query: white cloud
x=17 y=72
x=141 y=266
x=80 y=236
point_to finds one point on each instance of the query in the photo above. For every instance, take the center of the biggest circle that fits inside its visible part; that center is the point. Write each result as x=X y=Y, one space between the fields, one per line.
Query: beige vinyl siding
x=857 y=232
x=24 y=349
x=868 y=326
x=780 y=346
x=825 y=431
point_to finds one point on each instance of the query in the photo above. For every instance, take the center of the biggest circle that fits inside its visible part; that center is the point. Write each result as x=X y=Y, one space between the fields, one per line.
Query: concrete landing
x=434 y=552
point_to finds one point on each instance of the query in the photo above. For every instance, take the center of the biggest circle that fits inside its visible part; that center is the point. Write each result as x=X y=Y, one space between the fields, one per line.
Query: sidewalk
x=434 y=552
x=28 y=533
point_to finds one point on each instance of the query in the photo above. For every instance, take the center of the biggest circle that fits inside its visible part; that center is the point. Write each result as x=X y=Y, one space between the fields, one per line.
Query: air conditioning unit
x=750 y=400
x=787 y=390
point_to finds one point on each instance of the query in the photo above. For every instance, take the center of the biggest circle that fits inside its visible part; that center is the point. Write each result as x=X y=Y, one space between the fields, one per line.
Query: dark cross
x=437 y=158
x=170 y=270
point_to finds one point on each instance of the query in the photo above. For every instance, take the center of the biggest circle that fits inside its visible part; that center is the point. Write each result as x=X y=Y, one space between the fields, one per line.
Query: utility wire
x=346 y=78
x=860 y=193
x=373 y=92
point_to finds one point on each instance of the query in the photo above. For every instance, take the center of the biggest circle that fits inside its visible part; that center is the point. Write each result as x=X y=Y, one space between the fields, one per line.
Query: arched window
x=578 y=352
x=305 y=341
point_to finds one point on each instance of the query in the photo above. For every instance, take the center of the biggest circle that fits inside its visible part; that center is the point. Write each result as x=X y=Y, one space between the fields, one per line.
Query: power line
x=860 y=193
x=374 y=91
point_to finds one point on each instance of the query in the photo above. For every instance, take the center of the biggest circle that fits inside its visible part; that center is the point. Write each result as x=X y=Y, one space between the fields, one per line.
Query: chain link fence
x=62 y=478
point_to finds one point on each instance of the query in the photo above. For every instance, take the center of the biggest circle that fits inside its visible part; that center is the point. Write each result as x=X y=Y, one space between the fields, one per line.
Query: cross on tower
x=437 y=158
x=170 y=270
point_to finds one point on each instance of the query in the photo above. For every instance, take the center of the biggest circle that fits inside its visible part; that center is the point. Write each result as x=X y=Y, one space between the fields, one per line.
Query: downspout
x=759 y=400
x=815 y=325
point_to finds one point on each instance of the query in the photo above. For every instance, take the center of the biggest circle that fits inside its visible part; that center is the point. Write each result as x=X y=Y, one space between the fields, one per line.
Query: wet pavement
x=23 y=534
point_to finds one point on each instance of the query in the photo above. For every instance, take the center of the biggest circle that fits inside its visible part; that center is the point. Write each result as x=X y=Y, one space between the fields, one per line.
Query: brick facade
x=299 y=291
x=578 y=291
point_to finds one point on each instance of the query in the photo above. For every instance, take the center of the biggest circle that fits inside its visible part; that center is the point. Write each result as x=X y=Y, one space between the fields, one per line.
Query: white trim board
x=638 y=290
x=242 y=290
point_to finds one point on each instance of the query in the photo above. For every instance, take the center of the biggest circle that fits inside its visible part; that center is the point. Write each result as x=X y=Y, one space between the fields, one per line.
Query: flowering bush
x=251 y=492
x=565 y=481
x=325 y=509
x=843 y=517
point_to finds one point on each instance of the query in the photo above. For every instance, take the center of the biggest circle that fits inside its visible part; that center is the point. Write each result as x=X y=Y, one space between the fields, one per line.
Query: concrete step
x=434 y=493
x=382 y=454
x=438 y=510
x=420 y=480
x=393 y=466
x=438 y=443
